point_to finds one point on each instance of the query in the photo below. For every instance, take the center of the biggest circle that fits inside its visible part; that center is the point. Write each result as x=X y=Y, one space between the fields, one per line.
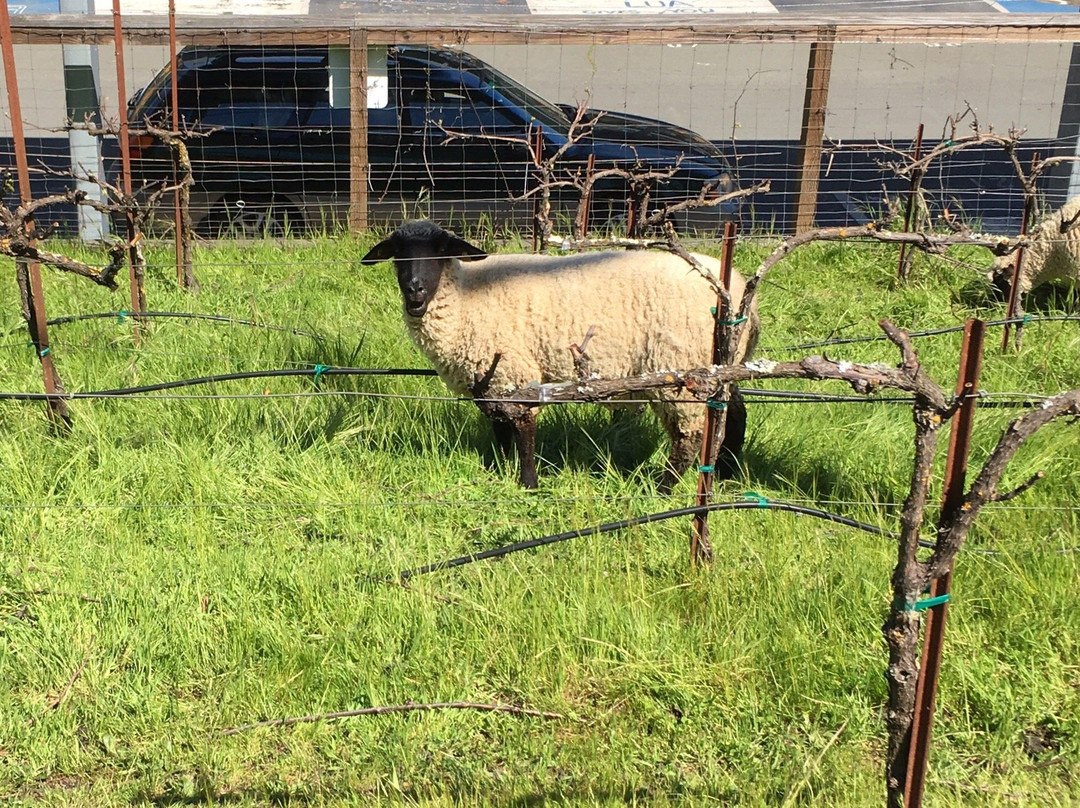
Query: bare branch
x=954 y=527
x=580 y=355
x=58 y=699
x=395 y=708
x=705 y=383
x=704 y=200
x=1020 y=489
x=105 y=276
x=571 y=244
x=933 y=243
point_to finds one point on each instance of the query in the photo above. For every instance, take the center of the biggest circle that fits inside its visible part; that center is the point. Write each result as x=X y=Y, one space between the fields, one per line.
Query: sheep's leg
x=727 y=459
x=524 y=426
x=683 y=424
x=504 y=436
x=686 y=440
x=685 y=449
x=516 y=424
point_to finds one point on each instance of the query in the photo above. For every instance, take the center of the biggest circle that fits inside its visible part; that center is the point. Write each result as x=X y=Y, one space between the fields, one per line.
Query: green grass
x=205 y=563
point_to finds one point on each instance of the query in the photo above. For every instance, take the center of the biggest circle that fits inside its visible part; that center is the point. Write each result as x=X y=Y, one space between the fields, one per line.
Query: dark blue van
x=451 y=138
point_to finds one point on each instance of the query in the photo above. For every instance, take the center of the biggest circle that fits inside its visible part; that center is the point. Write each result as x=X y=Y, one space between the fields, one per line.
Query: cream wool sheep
x=1054 y=253
x=649 y=311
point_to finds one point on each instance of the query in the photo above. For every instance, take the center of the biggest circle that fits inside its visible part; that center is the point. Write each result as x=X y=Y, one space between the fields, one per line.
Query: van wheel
x=251 y=218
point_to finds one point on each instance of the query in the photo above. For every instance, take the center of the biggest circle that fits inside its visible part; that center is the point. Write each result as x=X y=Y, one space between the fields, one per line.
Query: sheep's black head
x=421 y=251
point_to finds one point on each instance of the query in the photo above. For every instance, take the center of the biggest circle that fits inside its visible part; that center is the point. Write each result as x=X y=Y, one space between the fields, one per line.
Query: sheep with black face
x=649 y=311
x=1053 y=254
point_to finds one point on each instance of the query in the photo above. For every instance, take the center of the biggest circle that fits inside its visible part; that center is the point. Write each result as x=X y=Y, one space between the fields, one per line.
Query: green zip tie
x=121 y=316
x=706 y=469
x=929 y=603
x=716 y=405
x=727 y=322
x=320 y=370
x=44 y=352
x=1027 y=319
x=752 y=495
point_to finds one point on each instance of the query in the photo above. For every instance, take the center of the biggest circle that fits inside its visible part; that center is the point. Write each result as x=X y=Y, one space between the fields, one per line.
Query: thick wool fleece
x=650 y=311
x=1053 y=255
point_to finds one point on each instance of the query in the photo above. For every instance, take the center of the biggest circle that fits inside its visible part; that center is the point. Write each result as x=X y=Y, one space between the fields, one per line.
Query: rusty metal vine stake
x=28 y=273
x=135 y=262
x=185 y=275
x=1013 y=309
x=903 y=270
x=581 y=222
x=716 y=409
x=956 y=463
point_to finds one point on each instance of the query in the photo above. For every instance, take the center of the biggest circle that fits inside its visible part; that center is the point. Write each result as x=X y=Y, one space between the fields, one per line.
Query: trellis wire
x=123 y=316
x=932 y=331
x=138 y=393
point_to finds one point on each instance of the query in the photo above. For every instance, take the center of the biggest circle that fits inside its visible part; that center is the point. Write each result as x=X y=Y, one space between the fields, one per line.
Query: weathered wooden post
x=358 y=131
x=815 y=105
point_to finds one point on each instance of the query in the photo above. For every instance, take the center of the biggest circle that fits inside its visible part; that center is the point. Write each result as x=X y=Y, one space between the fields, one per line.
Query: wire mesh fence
x=291 y=130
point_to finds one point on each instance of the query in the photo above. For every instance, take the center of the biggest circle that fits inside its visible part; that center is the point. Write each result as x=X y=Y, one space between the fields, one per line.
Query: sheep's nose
x=415 y=287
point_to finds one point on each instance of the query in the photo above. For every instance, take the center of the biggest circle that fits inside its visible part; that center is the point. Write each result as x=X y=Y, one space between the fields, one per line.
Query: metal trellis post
x=135 y=269
x=904 y=267
x=716 y=411
x=967 y=386
x=29 y=272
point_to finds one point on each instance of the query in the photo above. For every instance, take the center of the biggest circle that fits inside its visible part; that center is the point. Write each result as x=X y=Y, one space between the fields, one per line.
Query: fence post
x=358 y=131
x=815 y=104
x=715 y=412
x=135 y=267
x=967 y=386
x=185 y=274
x=28 y=273
x=1013 y=308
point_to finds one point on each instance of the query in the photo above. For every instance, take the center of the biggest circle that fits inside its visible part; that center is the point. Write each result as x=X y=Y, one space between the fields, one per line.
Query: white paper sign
x=651 y=7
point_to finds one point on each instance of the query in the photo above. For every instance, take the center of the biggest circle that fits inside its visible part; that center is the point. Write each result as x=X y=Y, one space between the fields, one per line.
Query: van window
x=255 y=92
x=444 y=105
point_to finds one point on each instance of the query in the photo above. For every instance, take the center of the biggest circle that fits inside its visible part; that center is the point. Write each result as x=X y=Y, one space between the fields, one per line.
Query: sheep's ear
x=455 y=247
x=383 y=251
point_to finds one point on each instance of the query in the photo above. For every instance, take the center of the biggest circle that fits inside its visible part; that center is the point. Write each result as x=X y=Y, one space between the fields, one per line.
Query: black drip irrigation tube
x=317 y=372
x=753 y=501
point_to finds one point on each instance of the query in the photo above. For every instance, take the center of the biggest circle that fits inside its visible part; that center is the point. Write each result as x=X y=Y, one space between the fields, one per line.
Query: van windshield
x=485 y=75
x=137 y=105
x=143 y=102
x=521 y=96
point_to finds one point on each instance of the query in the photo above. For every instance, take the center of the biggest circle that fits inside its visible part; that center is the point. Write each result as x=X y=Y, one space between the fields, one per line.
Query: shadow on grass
x=1045 y=300
x=594 y=439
